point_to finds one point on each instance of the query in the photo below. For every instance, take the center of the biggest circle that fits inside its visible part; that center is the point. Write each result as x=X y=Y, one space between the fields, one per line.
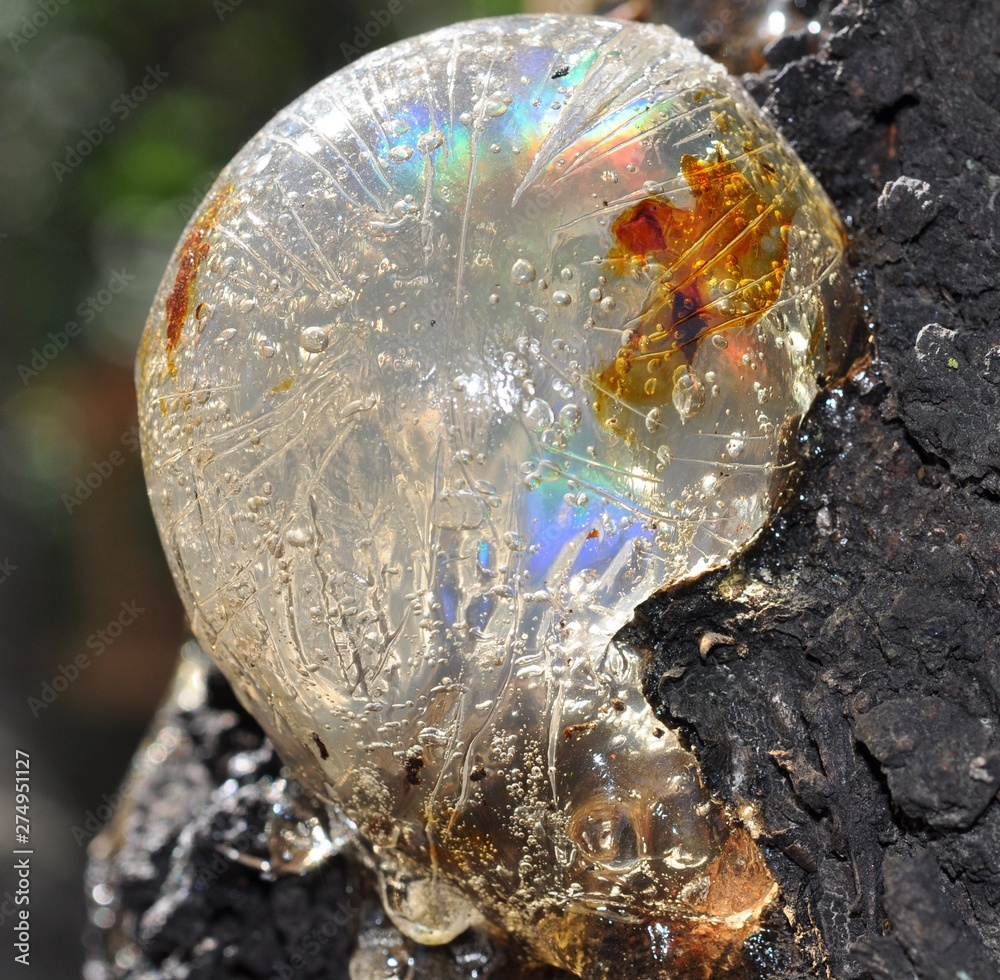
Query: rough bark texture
x=858 y=701
x=842 y=682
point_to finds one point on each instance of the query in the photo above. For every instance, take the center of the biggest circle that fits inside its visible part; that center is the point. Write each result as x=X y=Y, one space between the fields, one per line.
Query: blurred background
x=114 y=119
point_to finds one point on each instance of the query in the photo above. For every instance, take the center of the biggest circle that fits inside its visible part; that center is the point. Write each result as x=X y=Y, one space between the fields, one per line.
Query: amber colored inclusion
x=716 y=266
x=193 y=253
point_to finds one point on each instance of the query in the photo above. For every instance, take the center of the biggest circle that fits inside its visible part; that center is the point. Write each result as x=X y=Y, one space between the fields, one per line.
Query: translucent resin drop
x=474 y=347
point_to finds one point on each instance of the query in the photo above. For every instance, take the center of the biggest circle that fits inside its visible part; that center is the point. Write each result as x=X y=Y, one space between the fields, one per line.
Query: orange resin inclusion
x=716 y=266
x=193 y=253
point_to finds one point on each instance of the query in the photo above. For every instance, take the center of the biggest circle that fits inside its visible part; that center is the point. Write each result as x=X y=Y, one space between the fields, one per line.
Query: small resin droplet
x=300 y=536
x=689 y=393
x=570 y=416
x=429 y=142
x=514 y=541
x=313 y=339
x=522 y=272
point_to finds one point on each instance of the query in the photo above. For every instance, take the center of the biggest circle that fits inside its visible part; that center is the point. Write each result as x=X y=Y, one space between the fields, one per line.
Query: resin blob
x=474 y=347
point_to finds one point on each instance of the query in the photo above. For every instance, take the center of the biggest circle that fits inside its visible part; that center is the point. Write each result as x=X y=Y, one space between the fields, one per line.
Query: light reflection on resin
x=484 y=340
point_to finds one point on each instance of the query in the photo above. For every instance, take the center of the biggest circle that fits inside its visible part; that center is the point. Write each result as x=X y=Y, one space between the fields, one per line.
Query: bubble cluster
x=502 y=330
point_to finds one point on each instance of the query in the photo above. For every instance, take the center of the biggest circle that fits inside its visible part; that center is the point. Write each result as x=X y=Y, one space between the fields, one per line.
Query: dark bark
x=857 y=705
x=849 y=697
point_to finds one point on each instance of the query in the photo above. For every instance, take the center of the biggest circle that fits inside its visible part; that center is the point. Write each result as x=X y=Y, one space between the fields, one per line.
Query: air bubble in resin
x=516 y=320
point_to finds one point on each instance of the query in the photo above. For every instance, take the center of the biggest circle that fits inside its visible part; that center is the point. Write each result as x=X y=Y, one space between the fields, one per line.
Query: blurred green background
x=114 y=119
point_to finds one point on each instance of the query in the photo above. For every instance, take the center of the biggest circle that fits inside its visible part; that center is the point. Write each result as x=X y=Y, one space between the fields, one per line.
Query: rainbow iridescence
x=477 y=345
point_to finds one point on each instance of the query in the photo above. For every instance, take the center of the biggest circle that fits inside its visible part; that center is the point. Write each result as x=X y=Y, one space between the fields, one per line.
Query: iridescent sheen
x=474 y=347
